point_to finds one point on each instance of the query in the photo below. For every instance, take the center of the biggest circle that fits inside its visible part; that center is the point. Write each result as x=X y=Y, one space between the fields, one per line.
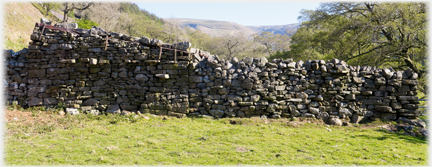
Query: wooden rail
x=43 y=26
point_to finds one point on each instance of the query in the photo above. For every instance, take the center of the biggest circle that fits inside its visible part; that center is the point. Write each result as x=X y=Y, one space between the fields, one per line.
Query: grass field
x=36 y=137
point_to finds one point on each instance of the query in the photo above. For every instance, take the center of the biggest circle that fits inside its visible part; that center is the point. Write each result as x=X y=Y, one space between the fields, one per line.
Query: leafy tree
x=48 y=6
x=379 y=34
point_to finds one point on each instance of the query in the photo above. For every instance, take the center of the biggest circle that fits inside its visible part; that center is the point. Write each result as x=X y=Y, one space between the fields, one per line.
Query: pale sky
x=255 y=13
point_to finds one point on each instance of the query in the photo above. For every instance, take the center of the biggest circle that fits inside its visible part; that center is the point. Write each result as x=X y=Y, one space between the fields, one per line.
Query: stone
x=293 y=110
x=294 y=100
x=66 y=46
x=314 y=110
x=93 y=61
x=335 y=121
x=248 y=60
x=36 y=73
x=255 y=98
x=34 y=91
x=247 y=85
x=356 y=118
x=123 y=74
x=181 y=45
x=174 y=114
x=68 y=25
x=113 y=109
x=145 y=40
x=163 y=76
x=384 y=109
x=223 y=91
x=95 y=50
x=234 y=98
x=358 y=79
x=396 y=106
x=217 y=113
x=243 y=103
x=345 y=111
x=34 y=101
x=307 y=115
x=90 y=102
x=50 y=101
x=195 y=79
x=291 y=65
x=271 y=108
x=141 y=77
x=388 y=116
x=71 y=111
x=301 y=95
x=415 y=122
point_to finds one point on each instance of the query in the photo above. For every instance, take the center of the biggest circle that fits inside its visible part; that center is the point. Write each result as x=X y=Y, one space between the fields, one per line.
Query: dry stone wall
x=96 y=72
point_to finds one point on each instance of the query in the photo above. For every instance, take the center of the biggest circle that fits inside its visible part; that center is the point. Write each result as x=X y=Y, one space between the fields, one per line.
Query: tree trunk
x=412 y=65
x=65 y=15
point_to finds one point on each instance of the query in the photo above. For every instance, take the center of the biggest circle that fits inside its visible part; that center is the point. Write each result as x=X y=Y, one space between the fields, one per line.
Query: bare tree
x=106 y=14
x=127 y=24
x=273 y=42
x=235 y=42
x=173 y=30
x=68 y=7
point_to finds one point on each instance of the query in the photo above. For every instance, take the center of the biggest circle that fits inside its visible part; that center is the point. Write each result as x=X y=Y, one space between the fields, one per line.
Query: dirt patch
x=29 y=118
x=241 y=149
x=16 y=120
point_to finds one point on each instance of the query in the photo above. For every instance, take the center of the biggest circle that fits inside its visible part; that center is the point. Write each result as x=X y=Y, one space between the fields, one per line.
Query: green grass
x=130 y=140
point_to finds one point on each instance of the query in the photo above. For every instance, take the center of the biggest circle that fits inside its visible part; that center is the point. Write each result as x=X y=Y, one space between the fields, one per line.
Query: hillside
x=212 y=27
x=126 y=18
x=288 y=29
x=20 y=19
x=220 y=28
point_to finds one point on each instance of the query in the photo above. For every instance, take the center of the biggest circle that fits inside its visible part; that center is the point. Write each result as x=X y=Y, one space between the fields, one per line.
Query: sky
x=255 y=13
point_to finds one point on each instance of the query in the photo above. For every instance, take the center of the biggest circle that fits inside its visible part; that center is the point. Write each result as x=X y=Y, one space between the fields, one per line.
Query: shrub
x=86 y=24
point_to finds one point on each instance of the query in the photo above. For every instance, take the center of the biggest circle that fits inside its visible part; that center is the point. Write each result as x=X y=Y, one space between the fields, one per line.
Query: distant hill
x=212 y=27
x=288 y=29
x=220 y=28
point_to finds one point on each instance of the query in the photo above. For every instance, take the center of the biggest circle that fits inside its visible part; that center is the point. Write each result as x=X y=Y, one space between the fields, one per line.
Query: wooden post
x=43 y=29
x=160 y=53
x=175 y=55
x=106 y=42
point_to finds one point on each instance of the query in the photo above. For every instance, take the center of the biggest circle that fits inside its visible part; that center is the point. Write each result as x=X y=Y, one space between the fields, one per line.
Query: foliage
x=364 y=33
x=379 y=34
x=132 y=8
x=86 y=24
x=47 y=6
x=155 y=140
x=273 y=42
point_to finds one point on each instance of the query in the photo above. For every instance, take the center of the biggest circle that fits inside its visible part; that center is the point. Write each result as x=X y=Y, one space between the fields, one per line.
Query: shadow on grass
x=396 y=135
